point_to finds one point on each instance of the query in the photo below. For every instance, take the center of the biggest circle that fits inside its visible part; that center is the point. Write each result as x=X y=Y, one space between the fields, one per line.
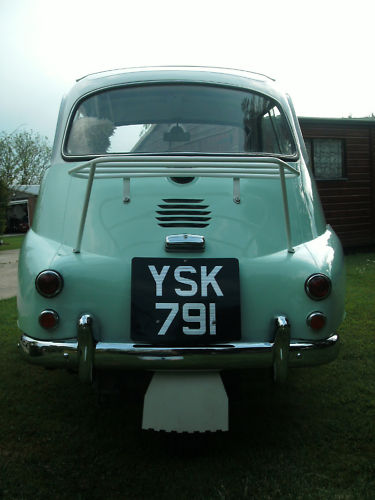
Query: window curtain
x=328 y=158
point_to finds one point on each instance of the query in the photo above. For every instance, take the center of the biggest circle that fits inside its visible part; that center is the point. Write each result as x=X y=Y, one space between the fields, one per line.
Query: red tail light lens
x=316 y=320
x=48 y=319
x=318 y=286
x=49 y=283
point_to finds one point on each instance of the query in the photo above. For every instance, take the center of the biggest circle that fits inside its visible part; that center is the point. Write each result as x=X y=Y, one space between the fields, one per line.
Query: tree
x=24 y=157
x=4 y=199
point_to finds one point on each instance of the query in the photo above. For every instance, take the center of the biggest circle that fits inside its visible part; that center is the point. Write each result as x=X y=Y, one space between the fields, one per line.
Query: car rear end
x=179 y=229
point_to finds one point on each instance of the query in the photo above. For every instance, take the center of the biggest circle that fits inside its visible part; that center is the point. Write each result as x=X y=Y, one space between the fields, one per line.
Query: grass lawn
x=313 y=440
x=11 y=242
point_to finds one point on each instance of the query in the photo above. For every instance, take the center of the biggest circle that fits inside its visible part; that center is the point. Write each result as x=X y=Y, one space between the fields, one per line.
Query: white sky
x=321 y=51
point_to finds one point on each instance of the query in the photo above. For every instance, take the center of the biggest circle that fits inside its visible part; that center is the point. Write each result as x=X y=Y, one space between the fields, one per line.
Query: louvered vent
x=183 y=213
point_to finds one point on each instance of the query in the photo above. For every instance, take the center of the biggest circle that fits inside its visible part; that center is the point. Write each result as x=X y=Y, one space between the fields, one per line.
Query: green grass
x=313 y=440
x=11 y=242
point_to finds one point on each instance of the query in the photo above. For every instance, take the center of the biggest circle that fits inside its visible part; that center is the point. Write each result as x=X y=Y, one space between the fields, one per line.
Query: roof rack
x=127 y=167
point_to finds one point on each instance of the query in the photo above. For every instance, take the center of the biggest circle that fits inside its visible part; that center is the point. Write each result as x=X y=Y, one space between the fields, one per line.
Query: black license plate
x=185 y=301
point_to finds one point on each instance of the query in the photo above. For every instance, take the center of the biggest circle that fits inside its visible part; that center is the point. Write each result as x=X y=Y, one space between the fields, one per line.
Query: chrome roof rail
x=128 y=166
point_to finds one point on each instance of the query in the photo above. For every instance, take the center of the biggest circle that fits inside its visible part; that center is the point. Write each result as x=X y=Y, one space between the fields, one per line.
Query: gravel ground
x=8 y=273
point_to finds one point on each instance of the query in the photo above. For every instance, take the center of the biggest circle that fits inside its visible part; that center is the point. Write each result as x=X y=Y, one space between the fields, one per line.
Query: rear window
x=178 y=119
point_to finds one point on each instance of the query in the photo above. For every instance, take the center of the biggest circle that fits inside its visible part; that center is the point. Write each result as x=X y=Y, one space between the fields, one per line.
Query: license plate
x=185 y=301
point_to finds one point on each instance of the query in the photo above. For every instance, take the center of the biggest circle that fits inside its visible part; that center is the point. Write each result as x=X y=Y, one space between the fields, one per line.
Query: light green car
x=179 y=231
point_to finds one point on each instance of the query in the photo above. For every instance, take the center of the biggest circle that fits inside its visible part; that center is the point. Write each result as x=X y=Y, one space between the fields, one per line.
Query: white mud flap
x=186 y=402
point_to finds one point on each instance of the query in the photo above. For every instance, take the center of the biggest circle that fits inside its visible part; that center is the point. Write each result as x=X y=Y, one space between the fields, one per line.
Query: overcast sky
x=322 y=52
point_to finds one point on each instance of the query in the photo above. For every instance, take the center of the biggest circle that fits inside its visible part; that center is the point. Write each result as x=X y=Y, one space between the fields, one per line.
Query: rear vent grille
x=183 y=213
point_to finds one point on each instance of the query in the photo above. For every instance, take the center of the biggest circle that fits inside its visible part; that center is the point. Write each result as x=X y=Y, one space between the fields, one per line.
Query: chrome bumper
x=84 y=355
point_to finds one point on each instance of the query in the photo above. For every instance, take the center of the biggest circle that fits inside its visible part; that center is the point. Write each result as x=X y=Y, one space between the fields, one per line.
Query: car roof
x=239 y=72
x=175 y=74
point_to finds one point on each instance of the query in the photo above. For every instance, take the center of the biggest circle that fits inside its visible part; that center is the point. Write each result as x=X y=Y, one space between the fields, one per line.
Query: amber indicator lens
x=318 y=286
x=48 y=319
x=49 y=283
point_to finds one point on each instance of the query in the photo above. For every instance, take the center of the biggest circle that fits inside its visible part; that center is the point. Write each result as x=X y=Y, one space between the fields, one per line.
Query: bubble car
x=179 y=231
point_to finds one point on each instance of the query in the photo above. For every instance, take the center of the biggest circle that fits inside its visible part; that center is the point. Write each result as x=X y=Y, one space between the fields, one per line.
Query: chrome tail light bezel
x=308 y=285
x=52 y=314
x=316 y=315
x=57 y=290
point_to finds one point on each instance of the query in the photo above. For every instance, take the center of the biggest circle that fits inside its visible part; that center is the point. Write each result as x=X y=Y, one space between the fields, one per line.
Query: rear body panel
x=244 y=222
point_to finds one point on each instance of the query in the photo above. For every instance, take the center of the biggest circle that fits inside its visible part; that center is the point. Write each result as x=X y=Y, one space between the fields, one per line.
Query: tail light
x=316 y=320
x=318 y=286
x=49 y=283
x=48 y=319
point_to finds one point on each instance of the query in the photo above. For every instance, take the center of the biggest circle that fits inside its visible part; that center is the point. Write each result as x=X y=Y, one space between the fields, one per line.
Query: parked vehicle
x=179 y=231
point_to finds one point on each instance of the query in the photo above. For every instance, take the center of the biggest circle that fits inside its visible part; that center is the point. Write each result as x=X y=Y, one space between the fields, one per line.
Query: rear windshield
x=178 y=119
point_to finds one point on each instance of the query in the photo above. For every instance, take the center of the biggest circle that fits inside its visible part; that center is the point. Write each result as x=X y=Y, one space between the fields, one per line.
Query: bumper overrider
x=85 y=354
